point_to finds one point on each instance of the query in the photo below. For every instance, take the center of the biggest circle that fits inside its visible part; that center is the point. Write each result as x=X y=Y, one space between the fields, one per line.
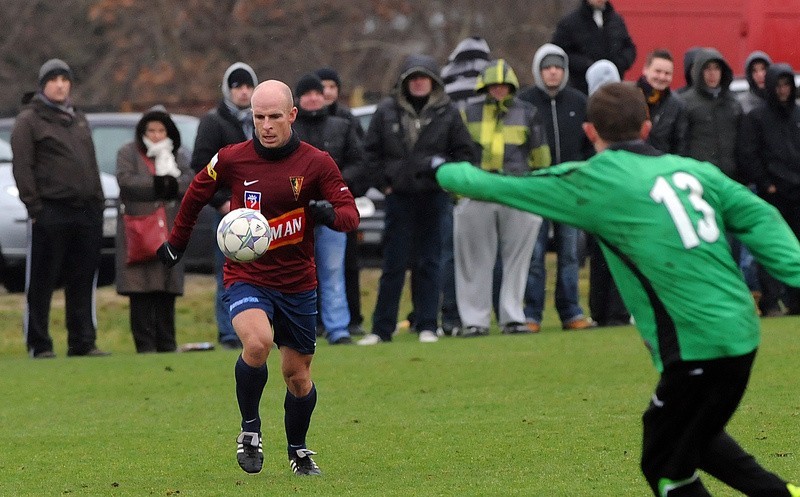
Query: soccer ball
x=243 y=235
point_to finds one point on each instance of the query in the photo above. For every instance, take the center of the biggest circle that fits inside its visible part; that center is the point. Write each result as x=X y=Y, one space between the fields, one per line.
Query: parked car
x=110 y=131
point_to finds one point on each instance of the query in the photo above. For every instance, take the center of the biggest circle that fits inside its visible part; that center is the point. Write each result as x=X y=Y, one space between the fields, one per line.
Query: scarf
x=244 y=116
x=651 y=95
x=164 y=160
x=274 y=154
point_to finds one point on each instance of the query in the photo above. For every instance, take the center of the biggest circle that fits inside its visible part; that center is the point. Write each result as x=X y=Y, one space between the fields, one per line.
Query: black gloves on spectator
x=322 y=212
x=168 y=255
x=430 y=172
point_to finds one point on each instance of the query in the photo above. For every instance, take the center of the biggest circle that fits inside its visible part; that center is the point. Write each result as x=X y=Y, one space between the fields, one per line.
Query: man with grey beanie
x=230 y=122
x=56 y=172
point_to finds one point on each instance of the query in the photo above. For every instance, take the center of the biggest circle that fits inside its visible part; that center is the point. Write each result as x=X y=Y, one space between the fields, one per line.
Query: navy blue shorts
x=293 y=315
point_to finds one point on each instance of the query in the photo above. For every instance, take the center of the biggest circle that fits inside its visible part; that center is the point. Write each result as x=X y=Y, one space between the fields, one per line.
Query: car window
x=107 y=142
x=5 y=151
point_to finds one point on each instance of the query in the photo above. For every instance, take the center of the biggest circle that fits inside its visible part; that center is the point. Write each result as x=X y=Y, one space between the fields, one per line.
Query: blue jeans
x=225 y=332
x=566 y=296
x=413 y=226
x=329 y=246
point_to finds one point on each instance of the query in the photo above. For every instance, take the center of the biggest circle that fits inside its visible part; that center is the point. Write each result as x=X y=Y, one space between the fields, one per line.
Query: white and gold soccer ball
x=243 y=235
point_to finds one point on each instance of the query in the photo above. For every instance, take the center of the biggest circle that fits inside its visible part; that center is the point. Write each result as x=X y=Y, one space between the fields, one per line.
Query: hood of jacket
x=600 y=73
x=756 y=56
x=226 y=91
x=498 y=72
x=703 y=57
x=774 y=73
x=688 y=62
x=541 y=53
x=426 y=65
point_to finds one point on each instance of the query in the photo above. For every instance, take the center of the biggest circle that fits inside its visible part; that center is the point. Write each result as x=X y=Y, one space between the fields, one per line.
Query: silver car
x=110 y=131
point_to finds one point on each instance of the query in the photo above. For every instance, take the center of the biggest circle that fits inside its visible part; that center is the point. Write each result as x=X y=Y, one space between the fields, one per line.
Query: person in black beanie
x=332 y=84
x=59 y=183
x=230 y=122
x=337 y=136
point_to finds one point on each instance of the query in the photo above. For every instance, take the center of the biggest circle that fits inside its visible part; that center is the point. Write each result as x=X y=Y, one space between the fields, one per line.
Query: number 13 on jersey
x=669 y=194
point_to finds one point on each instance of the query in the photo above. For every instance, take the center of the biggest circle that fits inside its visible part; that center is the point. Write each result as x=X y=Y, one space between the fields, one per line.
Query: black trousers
x=64 y=248
x=153 y=321
x=352 y=284
x=605 y=303
x=684 y=430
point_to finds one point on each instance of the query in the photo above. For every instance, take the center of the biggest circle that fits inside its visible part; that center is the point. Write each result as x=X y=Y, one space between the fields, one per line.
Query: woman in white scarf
x=153 y=172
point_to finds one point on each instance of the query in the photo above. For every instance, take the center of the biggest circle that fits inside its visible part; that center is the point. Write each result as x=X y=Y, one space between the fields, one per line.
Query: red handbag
x=144 y=234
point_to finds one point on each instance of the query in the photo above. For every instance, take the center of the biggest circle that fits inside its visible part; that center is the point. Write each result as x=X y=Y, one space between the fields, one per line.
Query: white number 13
x=663 y=193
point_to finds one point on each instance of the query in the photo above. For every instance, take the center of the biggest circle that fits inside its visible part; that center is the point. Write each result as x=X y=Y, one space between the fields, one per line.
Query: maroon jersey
x=280 y=190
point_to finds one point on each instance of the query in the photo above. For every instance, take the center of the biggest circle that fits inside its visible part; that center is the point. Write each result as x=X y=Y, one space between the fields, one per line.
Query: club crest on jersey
x=252 y=200
x=297 y=185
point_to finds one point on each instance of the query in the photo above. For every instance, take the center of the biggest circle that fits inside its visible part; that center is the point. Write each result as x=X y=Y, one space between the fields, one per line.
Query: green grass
x=554 y=414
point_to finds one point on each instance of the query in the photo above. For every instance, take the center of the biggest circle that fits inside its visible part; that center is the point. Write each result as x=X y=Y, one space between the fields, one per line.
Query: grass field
x=553 y=414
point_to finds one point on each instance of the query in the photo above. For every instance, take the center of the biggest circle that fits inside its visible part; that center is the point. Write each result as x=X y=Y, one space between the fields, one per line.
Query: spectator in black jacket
x=230 y=122
x=337 y=136
x=591 y=32
x=332 y=84
x=769 y=146
x=416 y=125
x=666 y=110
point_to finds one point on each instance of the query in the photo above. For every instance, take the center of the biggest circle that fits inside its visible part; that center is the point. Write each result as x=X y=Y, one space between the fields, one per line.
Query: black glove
x=322 y=212
x=168 y=255
x=430 y=171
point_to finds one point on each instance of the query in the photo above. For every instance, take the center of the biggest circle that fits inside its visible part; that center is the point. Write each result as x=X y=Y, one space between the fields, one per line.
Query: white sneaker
x=371 y=339
x=428 y=336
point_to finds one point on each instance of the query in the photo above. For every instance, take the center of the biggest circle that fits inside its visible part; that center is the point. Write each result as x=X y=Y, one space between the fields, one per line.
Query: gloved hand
x=430 y=172
x=322 y=212
x=168 y=255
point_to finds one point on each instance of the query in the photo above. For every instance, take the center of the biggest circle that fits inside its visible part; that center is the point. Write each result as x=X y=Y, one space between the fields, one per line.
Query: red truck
x=735 y=27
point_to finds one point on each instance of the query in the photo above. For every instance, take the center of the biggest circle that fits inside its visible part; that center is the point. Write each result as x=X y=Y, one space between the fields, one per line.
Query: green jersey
x=661 y=221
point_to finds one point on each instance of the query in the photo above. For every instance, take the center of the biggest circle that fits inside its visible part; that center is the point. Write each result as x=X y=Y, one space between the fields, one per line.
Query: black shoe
x=95 y=352
x=516 y=329
x=45 y=354
x=470 y=331
x=249 y=453
x=356 y=330
x=302 y=464
x=344 y=340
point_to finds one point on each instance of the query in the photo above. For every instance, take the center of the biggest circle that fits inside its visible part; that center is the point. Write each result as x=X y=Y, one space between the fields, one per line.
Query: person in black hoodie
x=337 y=136
x=769 y=147
x=230 y=122
x=755 y=71
x=414 y=126
x=591 y=32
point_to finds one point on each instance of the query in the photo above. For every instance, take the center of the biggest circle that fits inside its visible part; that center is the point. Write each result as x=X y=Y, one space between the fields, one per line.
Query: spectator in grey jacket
x=712 y=112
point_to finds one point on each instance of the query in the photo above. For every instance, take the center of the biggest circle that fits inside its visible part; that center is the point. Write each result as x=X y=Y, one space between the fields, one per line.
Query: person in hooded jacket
x=712 y=112
x=230 y=122
x=688 y=62
x=510 y=135
x=152 y=171
x=770 y=149
x=755 y=71
x=562 y=109
x=414 y=126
